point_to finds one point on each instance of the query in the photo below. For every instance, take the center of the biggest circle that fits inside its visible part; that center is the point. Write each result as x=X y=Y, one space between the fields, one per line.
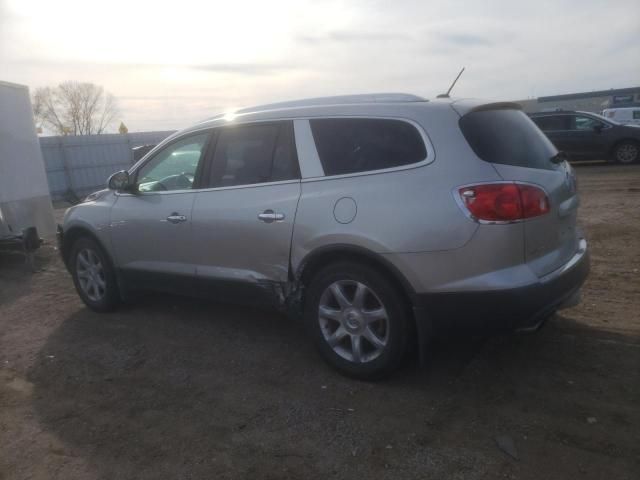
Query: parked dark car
x=141 y=151
x=588 y=136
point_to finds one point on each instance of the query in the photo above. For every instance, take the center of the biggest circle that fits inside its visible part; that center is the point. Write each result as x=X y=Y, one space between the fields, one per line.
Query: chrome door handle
x=269 y=216
x=176 y=218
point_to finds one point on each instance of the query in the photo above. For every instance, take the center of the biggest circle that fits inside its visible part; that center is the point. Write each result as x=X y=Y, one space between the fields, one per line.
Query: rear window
x=352 y=145
x=507 y=137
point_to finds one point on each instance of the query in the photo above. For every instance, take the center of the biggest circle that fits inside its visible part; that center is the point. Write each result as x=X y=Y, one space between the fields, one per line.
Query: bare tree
x=74 y=108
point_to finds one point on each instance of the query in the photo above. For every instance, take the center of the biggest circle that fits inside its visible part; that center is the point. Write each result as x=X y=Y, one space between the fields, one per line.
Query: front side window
x=352 y=145
x=174 y=167
x=585 y=123
x=552 y=123
x=253 y=154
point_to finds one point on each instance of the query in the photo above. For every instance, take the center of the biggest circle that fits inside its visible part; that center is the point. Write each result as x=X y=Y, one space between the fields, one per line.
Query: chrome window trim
x=249 y=185
x=147 y=194
x=430 y=158
x=312 y=171
x=210 y=189
x=212 y=131
x=165 y=143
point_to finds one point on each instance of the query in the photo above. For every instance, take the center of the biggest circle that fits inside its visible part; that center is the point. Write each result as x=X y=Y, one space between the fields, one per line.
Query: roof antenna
x=446 y=95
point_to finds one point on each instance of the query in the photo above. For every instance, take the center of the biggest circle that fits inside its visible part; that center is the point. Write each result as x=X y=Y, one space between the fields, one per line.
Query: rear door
x=557 y=129
x=519 y=152
x=243 y=221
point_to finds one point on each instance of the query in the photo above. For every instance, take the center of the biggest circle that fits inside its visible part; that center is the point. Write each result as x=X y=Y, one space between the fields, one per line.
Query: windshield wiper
x=559 y=157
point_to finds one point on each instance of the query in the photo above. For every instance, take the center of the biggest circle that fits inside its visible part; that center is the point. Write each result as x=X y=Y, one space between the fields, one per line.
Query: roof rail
x=337 y=100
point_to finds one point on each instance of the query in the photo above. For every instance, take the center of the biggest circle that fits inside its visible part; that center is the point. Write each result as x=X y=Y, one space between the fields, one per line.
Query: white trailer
x=25 y=203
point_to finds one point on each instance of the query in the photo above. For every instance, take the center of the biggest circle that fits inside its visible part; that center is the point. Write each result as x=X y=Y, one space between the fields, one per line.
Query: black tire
x=111 y=297
x=626 y=152
x=385 y=293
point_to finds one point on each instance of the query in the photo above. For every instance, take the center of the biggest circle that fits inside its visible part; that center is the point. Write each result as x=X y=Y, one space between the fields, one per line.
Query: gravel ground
x=176 y=388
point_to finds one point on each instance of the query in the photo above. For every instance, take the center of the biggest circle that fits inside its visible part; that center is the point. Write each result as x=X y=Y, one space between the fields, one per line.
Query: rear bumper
x=520 y=308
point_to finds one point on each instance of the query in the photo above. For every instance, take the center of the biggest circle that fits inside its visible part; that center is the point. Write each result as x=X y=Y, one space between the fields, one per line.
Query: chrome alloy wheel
x=90 y=274
x=627 y=153
x=353 y=321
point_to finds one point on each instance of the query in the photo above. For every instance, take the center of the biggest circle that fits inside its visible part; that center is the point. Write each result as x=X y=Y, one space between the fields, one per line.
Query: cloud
x=466 y=40
x=265 y=52
x=243 y=68
x=343 y=36
x=233 y=68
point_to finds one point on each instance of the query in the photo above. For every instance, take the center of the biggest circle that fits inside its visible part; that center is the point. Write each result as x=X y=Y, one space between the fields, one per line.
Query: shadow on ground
x=178 y=388
x=16 y=274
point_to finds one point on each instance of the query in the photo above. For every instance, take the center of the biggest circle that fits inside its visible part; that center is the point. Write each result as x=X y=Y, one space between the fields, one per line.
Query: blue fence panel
x=79 y=165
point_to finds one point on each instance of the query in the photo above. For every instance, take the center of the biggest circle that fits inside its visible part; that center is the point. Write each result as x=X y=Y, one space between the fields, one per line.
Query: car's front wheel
x=627 y=152
x=358 y=320
x=93 y=275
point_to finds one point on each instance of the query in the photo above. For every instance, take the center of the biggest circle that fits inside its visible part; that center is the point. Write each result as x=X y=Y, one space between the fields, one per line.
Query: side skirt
x=258 y=294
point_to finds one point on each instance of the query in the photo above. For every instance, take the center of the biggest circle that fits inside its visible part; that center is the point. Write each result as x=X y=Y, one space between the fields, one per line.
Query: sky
x=171 y=64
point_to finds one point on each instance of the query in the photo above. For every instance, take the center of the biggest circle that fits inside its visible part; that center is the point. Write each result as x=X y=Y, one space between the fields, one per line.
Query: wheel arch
x=73 y=234
x=617 y=143
x=322 y=256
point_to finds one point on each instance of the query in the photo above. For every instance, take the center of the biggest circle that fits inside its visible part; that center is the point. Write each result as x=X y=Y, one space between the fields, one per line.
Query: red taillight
x=504 y=202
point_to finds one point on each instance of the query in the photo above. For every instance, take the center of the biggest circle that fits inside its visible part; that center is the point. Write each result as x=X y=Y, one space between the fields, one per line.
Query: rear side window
x=552 y=123
x=507 y=137
x=352 y=145
x=249 y=154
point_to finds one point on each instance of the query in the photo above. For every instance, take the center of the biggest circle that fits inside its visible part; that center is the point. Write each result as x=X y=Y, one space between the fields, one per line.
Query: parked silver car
x=381 y=219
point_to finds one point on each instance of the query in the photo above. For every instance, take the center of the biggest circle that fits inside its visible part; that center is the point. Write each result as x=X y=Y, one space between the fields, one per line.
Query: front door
x=586 y=137
x=242 y=223
x=151 y=228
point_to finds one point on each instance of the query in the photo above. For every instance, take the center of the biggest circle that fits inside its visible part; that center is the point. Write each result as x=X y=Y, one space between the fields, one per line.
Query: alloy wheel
x=627 y=153
x=90 y=273
x=353 y=321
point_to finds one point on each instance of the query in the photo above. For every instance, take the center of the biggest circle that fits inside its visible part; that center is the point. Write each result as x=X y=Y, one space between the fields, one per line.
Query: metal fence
x=79 y=165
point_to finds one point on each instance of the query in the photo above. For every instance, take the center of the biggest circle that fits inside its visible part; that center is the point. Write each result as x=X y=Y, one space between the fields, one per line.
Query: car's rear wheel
x=627 y=152
x=358 y=320
x=93 y=275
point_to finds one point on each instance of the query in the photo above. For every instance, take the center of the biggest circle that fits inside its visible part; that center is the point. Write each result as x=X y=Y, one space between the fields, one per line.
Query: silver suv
x=381 y=220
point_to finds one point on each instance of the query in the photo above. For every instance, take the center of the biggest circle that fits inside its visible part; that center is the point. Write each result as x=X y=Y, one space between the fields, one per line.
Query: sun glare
x=230 y=114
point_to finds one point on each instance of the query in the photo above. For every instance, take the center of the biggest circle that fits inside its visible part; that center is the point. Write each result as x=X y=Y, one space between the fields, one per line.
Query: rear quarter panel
x=401 y=211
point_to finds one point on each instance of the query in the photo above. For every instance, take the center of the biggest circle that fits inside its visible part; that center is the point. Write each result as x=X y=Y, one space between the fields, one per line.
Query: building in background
x=587 y=102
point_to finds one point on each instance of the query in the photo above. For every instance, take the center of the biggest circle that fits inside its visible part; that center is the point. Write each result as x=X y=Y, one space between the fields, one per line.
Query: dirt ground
x=175 y=388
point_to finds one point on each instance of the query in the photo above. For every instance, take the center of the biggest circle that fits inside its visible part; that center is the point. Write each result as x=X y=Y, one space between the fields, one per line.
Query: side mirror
x=119 y=181
x=598 y=128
